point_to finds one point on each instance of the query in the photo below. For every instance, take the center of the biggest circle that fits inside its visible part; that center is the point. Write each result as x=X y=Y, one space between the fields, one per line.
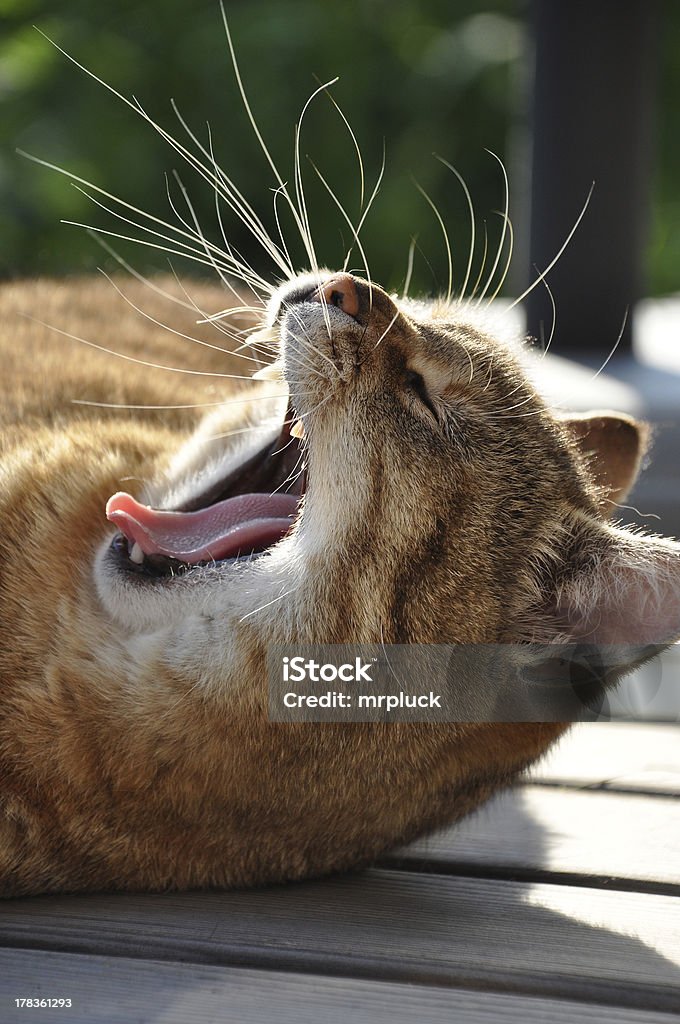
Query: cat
x=136 y=750
x=166 y=522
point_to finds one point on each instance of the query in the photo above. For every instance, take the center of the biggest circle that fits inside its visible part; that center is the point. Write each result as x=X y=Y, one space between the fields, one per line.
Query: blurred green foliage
x=421 y=76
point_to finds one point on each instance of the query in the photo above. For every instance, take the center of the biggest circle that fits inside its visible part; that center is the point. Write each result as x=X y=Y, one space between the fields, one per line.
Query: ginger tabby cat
x=136 y=750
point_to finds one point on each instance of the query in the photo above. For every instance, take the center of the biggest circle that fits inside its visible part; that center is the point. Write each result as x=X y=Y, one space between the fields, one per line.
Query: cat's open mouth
x=246 y=513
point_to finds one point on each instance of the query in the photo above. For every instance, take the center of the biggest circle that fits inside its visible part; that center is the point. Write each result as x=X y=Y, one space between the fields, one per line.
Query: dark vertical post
x=593 y=105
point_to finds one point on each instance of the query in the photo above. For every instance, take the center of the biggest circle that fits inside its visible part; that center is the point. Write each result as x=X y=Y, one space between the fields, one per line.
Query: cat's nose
x=341 y=291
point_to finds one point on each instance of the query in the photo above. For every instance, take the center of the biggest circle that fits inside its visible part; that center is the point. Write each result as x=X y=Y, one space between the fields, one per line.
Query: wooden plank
x=622 y=840
x=106 y=990
x=625 y=756
x=616 y=948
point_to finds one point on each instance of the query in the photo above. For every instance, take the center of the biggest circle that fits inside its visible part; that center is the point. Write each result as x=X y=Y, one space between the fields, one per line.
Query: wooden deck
x=560 y=902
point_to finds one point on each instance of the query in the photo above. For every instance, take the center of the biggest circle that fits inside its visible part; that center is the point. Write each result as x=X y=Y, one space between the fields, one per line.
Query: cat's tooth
x=272 y=372
x=136 y=554
x=298 y=429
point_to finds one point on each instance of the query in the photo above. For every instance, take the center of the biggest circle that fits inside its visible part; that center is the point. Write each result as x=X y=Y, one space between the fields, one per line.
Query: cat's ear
x=617 y=590
x=612 y=602
x=613 y=445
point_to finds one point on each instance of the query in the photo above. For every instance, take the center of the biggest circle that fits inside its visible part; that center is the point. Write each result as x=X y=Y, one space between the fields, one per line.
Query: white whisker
x=616 y=345
x=246 y=105
x=302 y=205
x=552 y=263
x=81 y=184
x=490 y=376
x=164 y=408
x=166 y=327
x=276 y=194
x=472 y=221
x=511 y=246
x=355 y=232
x=526 y=415
x=506 y=206
x=268 y=603
x=449 y=257
x=409 y=267
x=348 y=126
x=233 y=335
x=483 y=264
x=136 y=274
x=222 y=314
x=367 y=210
x=234 y=198
x=214 y=180
x=554 y=318
x=136 y=224
x=632 y=508
x=139 y=241
x=132 y=359
x=387 y=329
x=243 y=269
x=293 y=476
x=525 y=401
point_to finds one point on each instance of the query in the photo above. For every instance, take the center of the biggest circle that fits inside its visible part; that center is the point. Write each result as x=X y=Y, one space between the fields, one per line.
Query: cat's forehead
x=448 y=331
x=439 y=317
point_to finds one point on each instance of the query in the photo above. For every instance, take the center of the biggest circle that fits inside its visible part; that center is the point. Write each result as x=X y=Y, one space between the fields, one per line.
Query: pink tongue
x=248 y=522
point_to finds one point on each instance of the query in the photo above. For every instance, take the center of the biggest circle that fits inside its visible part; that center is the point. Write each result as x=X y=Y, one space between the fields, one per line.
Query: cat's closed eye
x=415 y=382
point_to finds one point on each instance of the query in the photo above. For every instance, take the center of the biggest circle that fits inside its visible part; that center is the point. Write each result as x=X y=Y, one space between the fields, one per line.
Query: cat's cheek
x=139 y=605
x=126 y=604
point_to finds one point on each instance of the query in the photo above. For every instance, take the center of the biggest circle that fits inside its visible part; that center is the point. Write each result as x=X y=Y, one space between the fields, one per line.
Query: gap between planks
x=461 y=869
